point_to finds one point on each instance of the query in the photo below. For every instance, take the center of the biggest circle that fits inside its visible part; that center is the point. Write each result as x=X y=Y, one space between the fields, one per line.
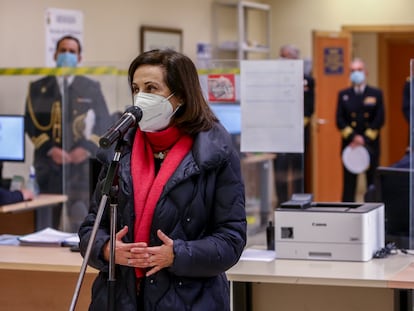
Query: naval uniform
x=360 y=114
x=77 y=123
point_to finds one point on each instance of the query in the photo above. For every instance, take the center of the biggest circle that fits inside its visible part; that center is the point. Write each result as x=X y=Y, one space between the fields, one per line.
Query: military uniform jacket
x=49 y=123
x=361 y=115
x=85 y=116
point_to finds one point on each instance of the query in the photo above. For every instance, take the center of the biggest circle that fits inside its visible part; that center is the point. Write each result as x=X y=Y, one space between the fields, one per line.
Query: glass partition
x=69 y=108
x=66 y=111
x=411 y=94
x=221 y=87
x=270 y=178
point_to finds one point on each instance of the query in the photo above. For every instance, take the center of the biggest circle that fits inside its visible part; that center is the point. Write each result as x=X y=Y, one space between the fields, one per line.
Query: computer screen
x=12 y=142
x=393 y=189
x=229 y=115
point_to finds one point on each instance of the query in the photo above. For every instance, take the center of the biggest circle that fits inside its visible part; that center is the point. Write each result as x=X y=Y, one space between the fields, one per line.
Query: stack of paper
x=9 y=239
x=50 y=237
x=251 y=254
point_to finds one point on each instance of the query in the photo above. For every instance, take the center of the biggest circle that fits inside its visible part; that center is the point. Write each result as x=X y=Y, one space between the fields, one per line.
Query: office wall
x=293 y=20
x=111 y=27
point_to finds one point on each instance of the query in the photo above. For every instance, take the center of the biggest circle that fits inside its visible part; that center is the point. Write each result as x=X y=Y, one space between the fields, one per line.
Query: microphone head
x=136 y=112
x=130 y=118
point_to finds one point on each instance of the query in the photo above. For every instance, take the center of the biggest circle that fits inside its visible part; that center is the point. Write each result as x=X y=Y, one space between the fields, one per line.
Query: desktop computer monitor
x=392 y=187
x=229 y=115
x=12 y=143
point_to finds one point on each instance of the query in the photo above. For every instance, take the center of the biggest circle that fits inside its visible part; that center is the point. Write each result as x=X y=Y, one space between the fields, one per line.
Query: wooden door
x=332 y=56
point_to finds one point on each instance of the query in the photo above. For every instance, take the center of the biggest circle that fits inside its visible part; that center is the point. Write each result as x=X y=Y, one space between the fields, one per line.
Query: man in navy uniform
x=65 y=117
x=286 y=164
x=359 y=117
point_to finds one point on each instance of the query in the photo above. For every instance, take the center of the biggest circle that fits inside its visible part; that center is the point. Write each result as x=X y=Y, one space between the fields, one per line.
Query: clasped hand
x=357 y=141
x=75 y=156
x=140 y=255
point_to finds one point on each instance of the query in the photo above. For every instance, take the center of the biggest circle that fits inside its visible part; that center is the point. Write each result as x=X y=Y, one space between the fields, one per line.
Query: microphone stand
x=109 y=190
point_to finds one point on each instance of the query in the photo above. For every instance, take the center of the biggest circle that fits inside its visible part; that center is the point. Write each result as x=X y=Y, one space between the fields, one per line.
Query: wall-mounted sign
x=221 y=88
x=333 y=61
x=61 y=22
x=272 y=105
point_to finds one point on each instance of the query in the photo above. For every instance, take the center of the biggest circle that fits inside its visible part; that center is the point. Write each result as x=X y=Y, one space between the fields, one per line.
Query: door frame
x=384 y=33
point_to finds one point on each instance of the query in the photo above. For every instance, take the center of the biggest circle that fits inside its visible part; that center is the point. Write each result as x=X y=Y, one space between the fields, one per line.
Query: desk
x=42 y=200
x=44 y=278
x=41 y=278
x=18 y=218
x=324 y=285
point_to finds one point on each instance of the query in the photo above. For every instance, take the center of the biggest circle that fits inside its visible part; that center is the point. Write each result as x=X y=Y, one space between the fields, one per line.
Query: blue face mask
x=357 y=77
x=67 y=59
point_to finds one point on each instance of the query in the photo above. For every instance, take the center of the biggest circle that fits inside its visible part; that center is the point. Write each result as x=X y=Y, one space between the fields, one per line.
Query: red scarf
x=148 y=187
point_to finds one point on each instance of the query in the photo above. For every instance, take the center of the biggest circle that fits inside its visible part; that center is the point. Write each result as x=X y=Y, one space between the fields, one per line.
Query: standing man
x=291 y=166
x=359 y=117
x=65 y=117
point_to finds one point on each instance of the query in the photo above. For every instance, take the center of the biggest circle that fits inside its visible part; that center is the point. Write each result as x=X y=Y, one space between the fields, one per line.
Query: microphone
x=130 y=118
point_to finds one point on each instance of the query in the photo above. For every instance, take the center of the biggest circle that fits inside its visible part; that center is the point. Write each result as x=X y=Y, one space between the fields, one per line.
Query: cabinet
x=241 y=28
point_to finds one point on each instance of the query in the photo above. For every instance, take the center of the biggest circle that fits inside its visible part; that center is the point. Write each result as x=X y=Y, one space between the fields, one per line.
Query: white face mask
x=156 y=111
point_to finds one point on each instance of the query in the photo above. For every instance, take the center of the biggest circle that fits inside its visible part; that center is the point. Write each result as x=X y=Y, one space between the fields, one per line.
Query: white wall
x=111 y=27
x=294 y=20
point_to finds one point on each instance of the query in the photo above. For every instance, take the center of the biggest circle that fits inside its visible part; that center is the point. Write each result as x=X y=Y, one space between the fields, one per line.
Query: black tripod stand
x=109 y=191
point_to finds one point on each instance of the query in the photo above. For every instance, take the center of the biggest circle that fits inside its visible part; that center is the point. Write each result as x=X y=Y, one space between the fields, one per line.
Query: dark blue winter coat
x=202 y=208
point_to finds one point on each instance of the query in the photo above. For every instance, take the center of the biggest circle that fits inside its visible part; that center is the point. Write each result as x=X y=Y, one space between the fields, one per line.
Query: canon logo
x=319 y=224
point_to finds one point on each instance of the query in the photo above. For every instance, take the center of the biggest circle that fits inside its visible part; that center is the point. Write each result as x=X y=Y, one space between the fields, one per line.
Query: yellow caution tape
x=219 y=71
x=61 y=71
x=98 y=71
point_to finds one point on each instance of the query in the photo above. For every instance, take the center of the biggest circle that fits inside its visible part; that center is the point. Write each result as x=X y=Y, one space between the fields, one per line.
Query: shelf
x=258 y=24
x=246 y=4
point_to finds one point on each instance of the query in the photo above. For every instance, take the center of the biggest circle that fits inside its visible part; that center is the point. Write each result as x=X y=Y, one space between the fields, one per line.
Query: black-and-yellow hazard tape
x=61 y=71
x=219 y=71
x=97 y=71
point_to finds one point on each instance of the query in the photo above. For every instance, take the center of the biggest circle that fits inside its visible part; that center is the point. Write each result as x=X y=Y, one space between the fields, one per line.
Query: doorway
x=398 y=50
x=388 y=51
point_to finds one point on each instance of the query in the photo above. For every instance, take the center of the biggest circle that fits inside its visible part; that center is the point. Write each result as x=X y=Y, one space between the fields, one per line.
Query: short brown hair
x=181 y=77
x=69 y=37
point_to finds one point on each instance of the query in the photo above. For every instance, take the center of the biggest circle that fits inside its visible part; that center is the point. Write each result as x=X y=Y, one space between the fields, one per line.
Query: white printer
x=329 y=231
